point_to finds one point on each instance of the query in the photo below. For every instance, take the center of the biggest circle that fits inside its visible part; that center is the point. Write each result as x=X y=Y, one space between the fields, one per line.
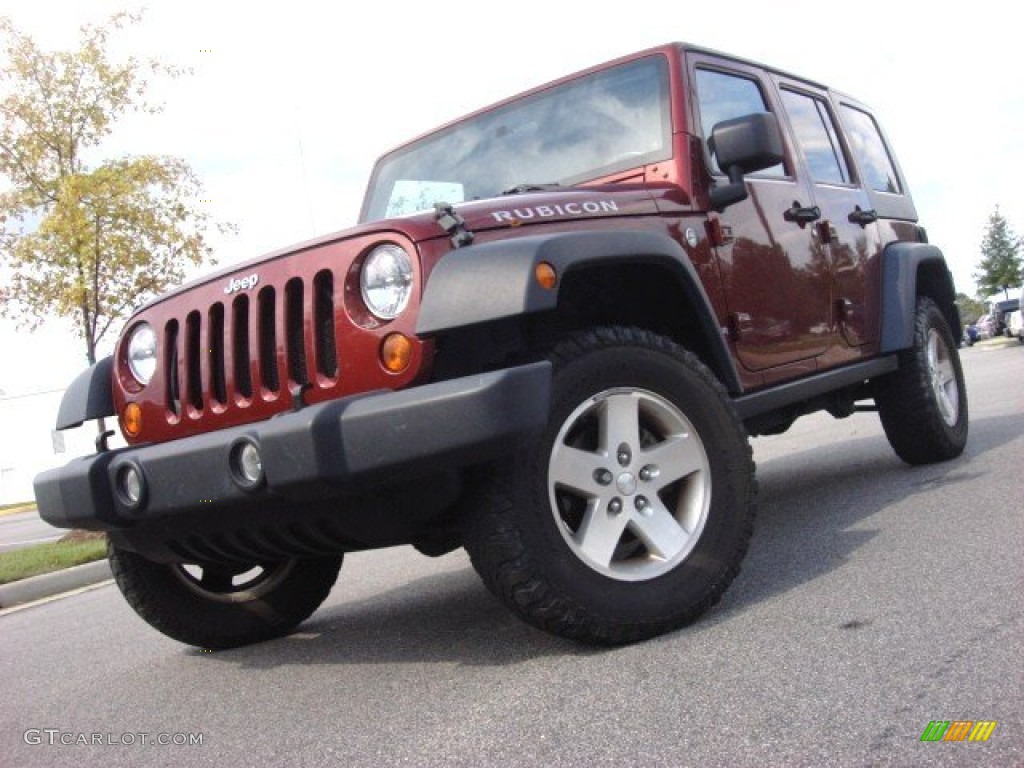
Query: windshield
x=606 y=122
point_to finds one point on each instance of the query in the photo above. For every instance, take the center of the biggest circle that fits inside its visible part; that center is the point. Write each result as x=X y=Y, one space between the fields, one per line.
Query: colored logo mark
x=958 y=730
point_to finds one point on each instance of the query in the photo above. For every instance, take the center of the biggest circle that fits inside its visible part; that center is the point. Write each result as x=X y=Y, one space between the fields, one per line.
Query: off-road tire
x=923 y=405
x=517 y=532
x=217 y=617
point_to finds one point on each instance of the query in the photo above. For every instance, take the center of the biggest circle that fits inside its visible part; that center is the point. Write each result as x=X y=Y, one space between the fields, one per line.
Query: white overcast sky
x=290 y=102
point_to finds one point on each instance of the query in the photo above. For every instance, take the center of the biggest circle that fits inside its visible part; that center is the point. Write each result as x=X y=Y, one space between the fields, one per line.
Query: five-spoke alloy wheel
x=923 y=405
x=629 y=484
x=630 y=515
x=942 y=372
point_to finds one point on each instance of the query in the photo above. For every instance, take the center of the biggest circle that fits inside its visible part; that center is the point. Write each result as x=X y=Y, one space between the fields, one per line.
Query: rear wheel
x=220 y=606
x=923 y=405
x=630 y=515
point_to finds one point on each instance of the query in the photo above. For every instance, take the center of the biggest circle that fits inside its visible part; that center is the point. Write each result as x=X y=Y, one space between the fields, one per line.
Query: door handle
x=802 y=215
x=862 y=217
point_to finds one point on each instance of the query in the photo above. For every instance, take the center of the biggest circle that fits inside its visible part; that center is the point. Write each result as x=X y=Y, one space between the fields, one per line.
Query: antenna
x=302 y=168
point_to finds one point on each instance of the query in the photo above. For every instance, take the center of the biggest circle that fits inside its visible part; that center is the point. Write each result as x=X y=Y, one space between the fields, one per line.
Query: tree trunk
x=90 y=343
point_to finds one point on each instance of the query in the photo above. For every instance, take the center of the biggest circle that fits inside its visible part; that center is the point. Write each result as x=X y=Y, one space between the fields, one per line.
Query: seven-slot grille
x=227 y=353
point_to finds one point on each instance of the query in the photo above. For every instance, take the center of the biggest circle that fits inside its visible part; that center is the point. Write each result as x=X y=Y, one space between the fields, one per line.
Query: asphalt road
x=875 y=599
x=24 y=529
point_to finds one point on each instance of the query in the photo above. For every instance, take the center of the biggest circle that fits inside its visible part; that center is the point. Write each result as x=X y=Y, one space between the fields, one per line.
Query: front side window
x=722 y=96
x=817 y=137
x=597 y=125
x=869 y=149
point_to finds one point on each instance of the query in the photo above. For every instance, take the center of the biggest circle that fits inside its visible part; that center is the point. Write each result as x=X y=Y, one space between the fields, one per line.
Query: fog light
x=395 y=353
x=130 y=485
x=132 y=419
x=247 y=465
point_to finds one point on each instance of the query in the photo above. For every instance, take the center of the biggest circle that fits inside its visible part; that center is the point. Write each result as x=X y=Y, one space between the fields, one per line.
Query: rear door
x=846 y=234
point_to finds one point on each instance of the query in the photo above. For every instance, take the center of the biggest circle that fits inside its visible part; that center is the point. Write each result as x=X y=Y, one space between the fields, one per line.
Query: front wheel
x=923 y=405
x=219 y=606
x=629 y=517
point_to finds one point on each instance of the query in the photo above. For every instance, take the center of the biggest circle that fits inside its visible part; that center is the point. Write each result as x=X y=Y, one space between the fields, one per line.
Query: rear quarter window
x=872 y=155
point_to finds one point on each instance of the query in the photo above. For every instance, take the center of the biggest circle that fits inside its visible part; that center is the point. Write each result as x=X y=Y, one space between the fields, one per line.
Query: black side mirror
x=743 y=145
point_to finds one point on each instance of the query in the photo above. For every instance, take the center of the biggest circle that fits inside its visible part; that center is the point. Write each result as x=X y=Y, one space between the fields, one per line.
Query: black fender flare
x=90 y=396
x=902 y=264
x=492 y=281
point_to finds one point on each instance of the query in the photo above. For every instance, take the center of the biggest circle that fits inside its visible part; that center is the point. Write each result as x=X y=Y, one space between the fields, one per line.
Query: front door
x=774 y=268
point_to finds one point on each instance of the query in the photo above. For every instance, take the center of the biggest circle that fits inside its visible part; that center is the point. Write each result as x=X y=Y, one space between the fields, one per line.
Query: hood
x=505 y=212
x=554 y=205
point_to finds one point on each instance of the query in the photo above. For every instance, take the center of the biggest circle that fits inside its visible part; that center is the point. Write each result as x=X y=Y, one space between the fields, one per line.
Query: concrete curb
x=17 y=510
x=50 y=584
x=997 y=343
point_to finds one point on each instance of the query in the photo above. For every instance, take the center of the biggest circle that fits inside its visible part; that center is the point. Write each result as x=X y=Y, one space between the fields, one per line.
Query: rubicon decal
x=958 y=730
x=586 y=208
x=241 y=284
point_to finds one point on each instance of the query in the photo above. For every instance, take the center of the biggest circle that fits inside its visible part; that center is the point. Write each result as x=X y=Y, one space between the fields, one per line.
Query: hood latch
x=453 y=224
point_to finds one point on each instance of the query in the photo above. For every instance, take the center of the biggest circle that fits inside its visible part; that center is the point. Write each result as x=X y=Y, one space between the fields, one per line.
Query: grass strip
x=49 y=557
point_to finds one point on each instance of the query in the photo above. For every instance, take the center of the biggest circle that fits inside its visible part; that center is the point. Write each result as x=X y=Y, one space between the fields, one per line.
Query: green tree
x=79 y=240
x=970 y=309
x=1000 y=266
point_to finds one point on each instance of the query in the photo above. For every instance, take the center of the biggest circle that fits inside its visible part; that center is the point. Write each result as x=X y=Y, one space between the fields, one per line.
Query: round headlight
x=386 y=281
x=142 y=353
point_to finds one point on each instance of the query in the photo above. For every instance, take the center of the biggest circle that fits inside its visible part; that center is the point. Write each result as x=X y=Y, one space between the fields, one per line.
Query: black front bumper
x=328 y=455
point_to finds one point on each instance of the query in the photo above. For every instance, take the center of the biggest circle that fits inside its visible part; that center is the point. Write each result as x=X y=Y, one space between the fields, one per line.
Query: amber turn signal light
x=545 y=275
x=132 y=419
x=395 y=353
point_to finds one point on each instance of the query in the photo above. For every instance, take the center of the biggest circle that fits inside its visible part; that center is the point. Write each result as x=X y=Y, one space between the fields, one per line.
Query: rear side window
x=817 y=137
x=722 y=96
x=870 y=151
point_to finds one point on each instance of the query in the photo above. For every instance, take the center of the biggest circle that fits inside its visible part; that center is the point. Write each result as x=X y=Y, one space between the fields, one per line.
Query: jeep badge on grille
x=242 y=283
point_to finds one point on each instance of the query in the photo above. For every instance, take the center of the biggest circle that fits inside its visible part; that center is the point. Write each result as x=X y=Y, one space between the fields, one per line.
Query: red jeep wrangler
x=547 y=341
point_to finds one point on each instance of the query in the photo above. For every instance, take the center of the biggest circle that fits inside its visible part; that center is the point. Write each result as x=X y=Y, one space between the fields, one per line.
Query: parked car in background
x=1015 y=326
x=986 y=327
x=971 y=335
x=1001 y=311
x=1019 y=326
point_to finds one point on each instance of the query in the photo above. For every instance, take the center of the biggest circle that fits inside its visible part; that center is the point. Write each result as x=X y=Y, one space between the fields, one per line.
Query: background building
x=30 y=444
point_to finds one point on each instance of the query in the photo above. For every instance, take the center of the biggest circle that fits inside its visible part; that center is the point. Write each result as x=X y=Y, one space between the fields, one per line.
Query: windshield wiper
x=520 y=189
